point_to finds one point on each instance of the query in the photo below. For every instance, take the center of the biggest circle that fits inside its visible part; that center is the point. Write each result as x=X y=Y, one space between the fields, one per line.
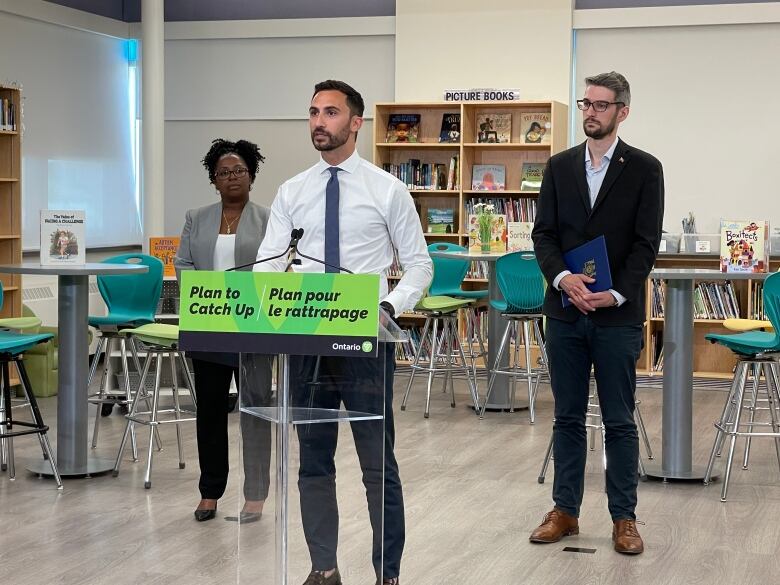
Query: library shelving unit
x=709 y=360
x=11 y=205
x=469 y=152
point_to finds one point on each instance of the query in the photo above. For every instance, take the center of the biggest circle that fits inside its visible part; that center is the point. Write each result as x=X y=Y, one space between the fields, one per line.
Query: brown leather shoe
x=556 y=525
x=626 y=537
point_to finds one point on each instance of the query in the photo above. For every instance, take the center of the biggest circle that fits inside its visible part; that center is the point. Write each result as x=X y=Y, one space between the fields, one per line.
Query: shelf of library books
x=713 y=303
x=10 y=198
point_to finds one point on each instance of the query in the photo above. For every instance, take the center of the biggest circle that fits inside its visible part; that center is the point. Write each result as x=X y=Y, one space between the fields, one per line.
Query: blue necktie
x=332 y=221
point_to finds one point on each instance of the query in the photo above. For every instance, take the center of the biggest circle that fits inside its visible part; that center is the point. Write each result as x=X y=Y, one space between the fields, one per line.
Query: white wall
x=76 y=146
x=523 y=44
x=258 y=89
x=704 y=101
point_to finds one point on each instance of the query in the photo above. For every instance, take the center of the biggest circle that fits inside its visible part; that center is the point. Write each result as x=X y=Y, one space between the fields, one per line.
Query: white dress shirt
x=376 y=213
x=595 y=178
x=225 y=252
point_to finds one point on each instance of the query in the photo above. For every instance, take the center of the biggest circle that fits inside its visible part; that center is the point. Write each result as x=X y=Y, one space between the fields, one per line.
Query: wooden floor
x=472 y=498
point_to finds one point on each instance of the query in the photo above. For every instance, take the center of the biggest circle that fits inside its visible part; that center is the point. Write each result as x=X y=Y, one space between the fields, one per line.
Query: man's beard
x=601 y=131
x=333 y=142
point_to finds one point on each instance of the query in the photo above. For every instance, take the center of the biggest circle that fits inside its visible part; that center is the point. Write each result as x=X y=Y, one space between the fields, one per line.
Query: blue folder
x=590 y=259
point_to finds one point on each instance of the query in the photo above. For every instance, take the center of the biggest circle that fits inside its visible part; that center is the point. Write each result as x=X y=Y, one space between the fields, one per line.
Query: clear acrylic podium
x=316 y=474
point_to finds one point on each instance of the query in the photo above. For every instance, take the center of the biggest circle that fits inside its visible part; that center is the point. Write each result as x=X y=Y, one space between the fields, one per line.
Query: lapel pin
x=621 y=160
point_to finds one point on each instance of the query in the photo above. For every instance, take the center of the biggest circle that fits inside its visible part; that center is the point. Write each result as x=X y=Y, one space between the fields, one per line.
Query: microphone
x=295 y=235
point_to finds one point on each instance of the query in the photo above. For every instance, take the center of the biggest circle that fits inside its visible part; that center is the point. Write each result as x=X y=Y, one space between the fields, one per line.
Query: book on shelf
x=518 y=237
x=535 y=127
x=450 y=127
x=488 y=177
x=744 y=246
x=164 y=249
x=7 y=115
x=494 y=128
x=418 y=175
x=515 y=209
x=403 y=128
x=497 y=233
x=441 y=221
x=62 y=237
x=715 y=300
x=453 y=174
x=531 y=177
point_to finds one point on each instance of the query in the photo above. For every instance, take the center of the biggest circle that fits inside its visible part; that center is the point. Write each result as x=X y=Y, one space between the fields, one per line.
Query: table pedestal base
x=94 y=466
x=656 y=471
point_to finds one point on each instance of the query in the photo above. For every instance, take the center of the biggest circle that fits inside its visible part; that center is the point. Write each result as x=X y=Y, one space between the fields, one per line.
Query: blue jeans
x=572 y=349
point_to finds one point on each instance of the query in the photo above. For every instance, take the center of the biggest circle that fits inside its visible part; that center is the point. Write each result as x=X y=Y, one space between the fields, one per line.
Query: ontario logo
x=367 y=347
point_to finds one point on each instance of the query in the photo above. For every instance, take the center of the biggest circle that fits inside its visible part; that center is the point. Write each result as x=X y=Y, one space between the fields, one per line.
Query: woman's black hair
x=249 y=151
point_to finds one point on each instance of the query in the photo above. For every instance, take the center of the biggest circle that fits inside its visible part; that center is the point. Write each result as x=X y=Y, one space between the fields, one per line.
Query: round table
x=499 y=397
x=73 y=459
x=677 y=422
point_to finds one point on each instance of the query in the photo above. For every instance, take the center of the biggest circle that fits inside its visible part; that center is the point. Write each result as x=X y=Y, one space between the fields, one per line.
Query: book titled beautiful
x=164 y=249
x=403 y=128
x=535 y=127
x=488 y=177
x=62 y=237
x=744 y=246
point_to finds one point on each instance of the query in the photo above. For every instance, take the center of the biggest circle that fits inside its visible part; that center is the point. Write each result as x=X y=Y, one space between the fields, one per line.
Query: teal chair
x=522 y=285
x=448 y=276
x=159 y=341
x=756 y=350
x=12 y=347
x=131 y=301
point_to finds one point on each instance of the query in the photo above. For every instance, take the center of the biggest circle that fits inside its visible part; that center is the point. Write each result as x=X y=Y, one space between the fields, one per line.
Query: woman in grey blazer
x=218 y=237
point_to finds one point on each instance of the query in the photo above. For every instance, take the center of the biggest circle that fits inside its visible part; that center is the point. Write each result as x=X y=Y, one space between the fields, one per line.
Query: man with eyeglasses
x=602 y=187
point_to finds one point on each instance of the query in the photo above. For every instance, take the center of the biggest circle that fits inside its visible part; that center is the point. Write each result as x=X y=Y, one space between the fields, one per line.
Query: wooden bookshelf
x=11 y=206
x=11 y=209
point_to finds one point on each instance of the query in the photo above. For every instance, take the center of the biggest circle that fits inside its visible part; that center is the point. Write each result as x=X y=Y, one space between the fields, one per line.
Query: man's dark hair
x=249 y=151
x=614 y=81
x=354 y=99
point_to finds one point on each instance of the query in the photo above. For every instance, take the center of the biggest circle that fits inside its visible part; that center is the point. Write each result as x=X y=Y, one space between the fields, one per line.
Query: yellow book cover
x=165 y=250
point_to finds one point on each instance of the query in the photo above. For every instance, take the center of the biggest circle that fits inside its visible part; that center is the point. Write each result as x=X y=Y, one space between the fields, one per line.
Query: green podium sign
x=271 y=312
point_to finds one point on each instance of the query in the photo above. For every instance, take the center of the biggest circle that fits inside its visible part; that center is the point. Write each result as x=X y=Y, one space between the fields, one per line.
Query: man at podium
x=353 y=214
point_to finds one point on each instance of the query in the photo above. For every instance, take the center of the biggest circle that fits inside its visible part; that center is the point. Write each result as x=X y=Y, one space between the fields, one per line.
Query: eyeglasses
x=238 y=173
x=599 y=106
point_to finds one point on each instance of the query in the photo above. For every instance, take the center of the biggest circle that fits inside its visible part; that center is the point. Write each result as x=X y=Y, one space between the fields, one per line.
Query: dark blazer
x=628 y=212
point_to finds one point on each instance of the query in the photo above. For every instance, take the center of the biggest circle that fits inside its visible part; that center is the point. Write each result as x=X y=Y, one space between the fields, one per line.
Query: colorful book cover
x=450 y=128
x=744 y=246
x=498 y=233
x=531 y=177
x=62 y=237
x=403 y=128
x=535 y=127
x=441 y=221
x=488 y=177
x=494 y=128
x=164 y=249
x=519 y=236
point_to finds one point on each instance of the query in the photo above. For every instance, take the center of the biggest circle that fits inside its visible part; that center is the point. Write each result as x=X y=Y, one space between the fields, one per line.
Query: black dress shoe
x=203 y=515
